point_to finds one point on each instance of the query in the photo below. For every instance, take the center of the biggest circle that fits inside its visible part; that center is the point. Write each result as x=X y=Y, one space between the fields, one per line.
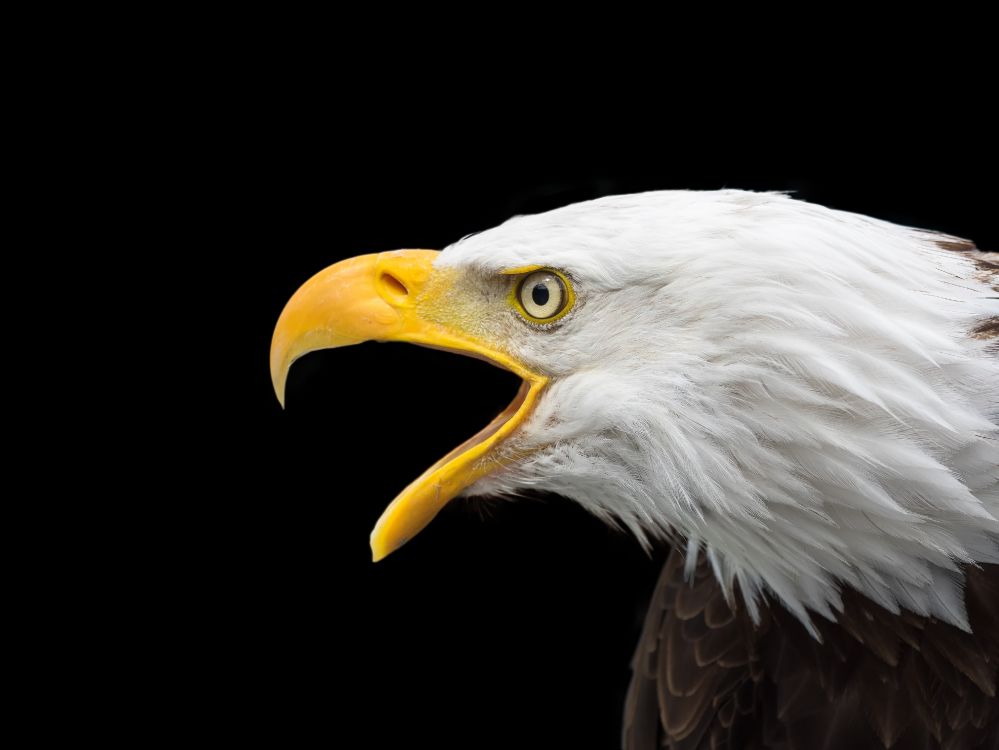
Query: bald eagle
x=802 y=402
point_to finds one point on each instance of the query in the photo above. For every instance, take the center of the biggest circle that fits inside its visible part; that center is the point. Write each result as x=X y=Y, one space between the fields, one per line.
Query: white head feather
x=791 y=388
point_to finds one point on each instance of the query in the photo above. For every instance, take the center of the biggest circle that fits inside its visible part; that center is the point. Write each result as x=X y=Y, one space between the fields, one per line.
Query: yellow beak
x=379 y=297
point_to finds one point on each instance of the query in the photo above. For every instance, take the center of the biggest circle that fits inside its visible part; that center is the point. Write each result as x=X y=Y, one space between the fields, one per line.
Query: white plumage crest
x=791 y=388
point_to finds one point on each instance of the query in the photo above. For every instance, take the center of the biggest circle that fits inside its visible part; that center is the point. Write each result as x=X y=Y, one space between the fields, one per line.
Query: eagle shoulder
x=704 y=676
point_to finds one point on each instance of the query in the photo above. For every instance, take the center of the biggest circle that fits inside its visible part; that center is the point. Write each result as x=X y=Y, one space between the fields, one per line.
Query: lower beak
x=377 y=297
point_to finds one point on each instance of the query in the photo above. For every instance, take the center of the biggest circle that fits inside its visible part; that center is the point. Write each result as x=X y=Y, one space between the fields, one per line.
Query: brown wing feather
x=703 y=682
x=706 y=677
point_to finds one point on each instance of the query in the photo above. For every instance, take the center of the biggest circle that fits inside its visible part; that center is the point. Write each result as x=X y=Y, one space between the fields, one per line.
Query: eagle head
x=790 y=389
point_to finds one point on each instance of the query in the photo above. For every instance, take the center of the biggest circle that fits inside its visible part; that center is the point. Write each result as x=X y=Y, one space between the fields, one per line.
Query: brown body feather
x=987 y=271
x=705 y=677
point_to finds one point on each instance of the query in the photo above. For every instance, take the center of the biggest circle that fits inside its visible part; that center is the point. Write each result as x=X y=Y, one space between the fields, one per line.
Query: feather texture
x=878 y=679
x=807 y=396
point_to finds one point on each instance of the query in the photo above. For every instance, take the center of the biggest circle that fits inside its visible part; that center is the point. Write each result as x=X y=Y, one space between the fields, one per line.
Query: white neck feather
x=792 y=389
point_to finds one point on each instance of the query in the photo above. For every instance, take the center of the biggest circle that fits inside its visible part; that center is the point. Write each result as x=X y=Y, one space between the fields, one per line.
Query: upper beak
x=370 y=297
x=376 y=297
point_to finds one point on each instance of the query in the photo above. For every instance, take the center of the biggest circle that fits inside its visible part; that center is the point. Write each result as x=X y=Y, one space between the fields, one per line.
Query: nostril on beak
x=393 y=285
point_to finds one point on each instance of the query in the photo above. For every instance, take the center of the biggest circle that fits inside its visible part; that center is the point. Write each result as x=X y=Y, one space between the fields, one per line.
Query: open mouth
x=488 y=435
x=375 y=297
x=480 y=455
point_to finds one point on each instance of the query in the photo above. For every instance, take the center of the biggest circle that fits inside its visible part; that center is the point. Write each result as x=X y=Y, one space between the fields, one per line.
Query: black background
x=507 y=624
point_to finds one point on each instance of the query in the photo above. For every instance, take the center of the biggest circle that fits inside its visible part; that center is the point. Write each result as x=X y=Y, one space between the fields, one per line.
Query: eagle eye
x=543 y=296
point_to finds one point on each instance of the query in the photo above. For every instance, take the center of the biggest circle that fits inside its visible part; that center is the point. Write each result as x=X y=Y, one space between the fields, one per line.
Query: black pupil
x=540 y=294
